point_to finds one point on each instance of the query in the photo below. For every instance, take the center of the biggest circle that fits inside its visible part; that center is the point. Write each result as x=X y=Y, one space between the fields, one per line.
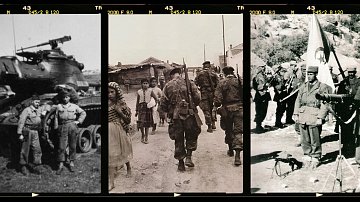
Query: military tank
x=46 y=72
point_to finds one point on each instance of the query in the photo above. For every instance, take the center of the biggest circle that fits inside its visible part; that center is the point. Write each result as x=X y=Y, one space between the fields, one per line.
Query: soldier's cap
x=35 y=97
x=313 y=69
x=303 y=66
x=292 y=62
x=351 y=69
x=175 y=70
x=228 y=70
x=206 y=62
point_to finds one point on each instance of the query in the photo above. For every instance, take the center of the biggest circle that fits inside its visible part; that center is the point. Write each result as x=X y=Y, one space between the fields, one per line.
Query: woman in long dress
x=120 y=146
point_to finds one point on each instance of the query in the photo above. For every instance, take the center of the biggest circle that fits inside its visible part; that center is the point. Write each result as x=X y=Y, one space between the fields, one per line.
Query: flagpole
x=340 y=69
x=223 y=26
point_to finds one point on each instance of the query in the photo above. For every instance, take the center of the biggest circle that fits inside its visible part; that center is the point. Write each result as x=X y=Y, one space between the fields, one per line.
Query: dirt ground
x=85 y=179
x=267 y=146
x=155 y=169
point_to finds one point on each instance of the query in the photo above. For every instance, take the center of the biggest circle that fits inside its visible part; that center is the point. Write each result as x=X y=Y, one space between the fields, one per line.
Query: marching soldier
x=67 y=118
x=185 y=123
x=343 y=109
x=261 y=98
x=228 y=96
x=207 y=80
x=310 y=113
x=28 y=126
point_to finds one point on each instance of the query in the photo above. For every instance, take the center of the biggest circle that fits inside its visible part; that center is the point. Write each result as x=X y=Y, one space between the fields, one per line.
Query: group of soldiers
x=309 y=104
x=181 y=98
x=286 y=82
x=67 y=117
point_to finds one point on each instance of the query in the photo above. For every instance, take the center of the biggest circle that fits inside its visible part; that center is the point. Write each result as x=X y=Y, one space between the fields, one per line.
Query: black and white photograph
x=175 y=103
x=305 y=103
x=50 y=103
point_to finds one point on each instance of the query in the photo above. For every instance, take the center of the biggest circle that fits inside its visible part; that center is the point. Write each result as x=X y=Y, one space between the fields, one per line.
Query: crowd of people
x=177 y=103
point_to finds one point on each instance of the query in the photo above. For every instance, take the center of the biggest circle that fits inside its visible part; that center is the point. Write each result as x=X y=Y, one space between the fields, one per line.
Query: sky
x=134 y=38
x=85 y=32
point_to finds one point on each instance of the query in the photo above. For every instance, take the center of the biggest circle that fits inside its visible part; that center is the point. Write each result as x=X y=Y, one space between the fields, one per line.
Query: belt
x=65 y=122
x=310 y=105
x=32 y=127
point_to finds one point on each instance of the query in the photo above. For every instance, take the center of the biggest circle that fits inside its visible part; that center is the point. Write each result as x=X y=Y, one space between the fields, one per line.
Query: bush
x=285 y=25
x=331 y=29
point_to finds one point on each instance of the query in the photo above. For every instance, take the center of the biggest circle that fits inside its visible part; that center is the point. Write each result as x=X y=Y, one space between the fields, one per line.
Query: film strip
x=248 y=11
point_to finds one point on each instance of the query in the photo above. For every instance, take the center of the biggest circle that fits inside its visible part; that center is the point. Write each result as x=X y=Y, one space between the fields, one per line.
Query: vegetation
x=280 y=50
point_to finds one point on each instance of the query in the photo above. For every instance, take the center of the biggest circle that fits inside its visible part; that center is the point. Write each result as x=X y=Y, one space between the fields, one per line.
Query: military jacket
x=174 y=93
x=202 y=80
x=307 y=106
x=227 y=92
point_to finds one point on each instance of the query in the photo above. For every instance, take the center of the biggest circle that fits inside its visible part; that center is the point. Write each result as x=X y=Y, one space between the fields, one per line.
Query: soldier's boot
x=259 y=128
x=188 y=161
x=181 y=166
x=213 y=125
x=24 y=170
x=72 y=166
x=60 y=168
x=278 y=123
x=210 y=130
x=230 y=152
x=35 y=168
x=237 y=161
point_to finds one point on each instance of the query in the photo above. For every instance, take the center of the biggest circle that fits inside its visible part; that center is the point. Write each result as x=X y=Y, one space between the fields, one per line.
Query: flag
x=318 y=52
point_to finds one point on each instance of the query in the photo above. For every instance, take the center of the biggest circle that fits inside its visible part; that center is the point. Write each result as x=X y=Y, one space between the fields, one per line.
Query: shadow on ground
x=264 y=157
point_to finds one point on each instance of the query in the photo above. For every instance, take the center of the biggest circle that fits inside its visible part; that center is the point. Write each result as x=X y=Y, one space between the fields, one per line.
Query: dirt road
x=155 y=169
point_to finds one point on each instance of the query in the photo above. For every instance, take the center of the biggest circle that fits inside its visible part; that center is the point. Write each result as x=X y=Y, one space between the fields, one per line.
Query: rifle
x=192 y=107
x=240 y=84
x=272 y=77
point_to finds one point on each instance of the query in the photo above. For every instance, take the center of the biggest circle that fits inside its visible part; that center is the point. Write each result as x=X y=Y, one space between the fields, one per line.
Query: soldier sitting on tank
x=67 y=118
x=28 y=126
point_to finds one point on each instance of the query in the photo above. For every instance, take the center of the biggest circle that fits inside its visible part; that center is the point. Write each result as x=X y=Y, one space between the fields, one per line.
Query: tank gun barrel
x=52 y=42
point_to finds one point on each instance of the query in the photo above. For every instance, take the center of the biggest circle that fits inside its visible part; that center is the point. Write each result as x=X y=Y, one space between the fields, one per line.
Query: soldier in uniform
x=207 y=80
x=291 y=86
x=184 y=122
x=280 y=93
x=310 y=113
x=261 y=98
x=228 y=95
x=343 y=109
x=67 y=117
x=28 y=126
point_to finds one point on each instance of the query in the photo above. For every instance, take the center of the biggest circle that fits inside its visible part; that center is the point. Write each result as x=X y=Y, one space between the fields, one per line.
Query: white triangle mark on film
x=33 y=194
x=175 y=194
x=318 y=195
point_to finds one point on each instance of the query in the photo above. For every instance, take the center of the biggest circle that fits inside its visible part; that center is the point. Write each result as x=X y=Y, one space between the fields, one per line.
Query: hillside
x=280 y=38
